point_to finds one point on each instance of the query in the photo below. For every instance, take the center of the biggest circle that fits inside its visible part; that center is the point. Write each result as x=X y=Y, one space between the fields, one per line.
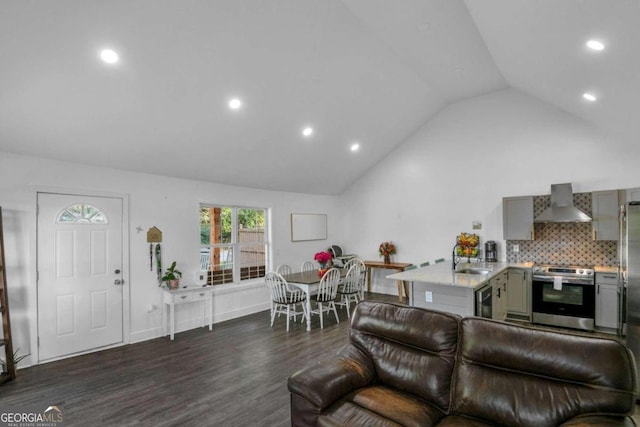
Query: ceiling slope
x=539 y=46
x=367 y=71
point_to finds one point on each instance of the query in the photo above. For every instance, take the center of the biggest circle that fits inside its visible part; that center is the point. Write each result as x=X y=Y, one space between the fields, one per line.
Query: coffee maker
x=490 y=251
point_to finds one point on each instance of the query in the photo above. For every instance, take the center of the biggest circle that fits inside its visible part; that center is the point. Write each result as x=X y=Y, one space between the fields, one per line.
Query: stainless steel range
x=564 y=296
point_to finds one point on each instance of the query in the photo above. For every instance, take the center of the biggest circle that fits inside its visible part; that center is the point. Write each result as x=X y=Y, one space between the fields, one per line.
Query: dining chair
x=284 y=269
x=439 y=260
x=349 y=288
x=424 y=264
x=363 y=273
x=283 y=299
x=326 y=296
x=308 y=266
x=348 y=264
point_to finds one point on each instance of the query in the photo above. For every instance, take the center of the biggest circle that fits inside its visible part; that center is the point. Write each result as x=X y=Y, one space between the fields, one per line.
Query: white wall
x=458 y=167
x=452 y=171
x=168 y=203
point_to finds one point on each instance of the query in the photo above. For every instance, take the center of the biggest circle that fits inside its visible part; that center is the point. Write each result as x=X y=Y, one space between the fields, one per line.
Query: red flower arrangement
x=386 y=249
x=323 y=258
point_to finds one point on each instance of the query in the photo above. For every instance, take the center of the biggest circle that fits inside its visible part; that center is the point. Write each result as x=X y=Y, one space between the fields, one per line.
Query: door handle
x=118 y=282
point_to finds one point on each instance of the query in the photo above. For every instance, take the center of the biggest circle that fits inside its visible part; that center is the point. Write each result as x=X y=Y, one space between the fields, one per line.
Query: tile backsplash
x=564 y=243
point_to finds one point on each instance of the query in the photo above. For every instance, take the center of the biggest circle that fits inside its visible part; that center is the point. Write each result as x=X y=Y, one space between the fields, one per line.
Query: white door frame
x=126 y=271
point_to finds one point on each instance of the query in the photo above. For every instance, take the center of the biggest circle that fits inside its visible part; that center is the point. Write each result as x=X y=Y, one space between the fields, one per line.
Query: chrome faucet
x=453 y=257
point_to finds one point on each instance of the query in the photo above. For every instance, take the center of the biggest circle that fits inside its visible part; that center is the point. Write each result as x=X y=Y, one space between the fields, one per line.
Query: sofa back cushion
x=513 y=375
x=413 y=350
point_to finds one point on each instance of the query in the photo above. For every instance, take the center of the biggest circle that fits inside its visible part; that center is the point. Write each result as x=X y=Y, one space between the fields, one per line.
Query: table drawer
x=607 y=278
x=184 y=297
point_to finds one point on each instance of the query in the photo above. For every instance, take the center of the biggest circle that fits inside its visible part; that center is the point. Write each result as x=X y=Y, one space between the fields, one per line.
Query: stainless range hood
x=562 y=209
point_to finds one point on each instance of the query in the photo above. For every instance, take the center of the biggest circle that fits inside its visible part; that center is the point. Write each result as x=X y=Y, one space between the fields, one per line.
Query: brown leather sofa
x=407 y=366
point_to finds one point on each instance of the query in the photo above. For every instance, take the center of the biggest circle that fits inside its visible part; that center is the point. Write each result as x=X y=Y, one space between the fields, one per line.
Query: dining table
x=308 y=282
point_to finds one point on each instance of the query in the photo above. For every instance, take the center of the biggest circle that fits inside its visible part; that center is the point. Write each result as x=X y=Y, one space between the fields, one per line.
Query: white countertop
x=442 y=274
x=605 y=269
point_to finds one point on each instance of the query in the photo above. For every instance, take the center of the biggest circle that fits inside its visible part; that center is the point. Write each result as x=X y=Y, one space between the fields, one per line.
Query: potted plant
x=172 y=276
x=323 y=259
x=17 y=357
x=386 y=249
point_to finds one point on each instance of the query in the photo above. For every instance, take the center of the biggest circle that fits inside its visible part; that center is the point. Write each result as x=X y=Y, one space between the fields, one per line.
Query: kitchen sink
x=473 y=271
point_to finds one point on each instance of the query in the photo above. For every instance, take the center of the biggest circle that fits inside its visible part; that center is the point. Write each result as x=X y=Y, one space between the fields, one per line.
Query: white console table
x=173 y=297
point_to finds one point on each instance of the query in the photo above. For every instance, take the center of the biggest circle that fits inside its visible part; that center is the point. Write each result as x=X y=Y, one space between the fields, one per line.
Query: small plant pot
x=174 y=284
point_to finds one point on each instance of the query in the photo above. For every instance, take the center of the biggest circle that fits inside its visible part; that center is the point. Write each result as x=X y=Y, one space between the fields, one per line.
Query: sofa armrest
x=330 y=379
x=599 y=420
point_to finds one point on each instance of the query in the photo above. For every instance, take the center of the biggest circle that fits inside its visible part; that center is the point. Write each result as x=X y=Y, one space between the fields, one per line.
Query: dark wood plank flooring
x=235 y=375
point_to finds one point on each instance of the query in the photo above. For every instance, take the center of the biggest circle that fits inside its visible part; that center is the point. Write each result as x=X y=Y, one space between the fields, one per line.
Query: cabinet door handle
x=183 y=296
x=598 y=289
x=202 y=294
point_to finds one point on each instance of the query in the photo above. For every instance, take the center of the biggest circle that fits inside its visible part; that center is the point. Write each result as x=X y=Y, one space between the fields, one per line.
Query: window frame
x=235 y=245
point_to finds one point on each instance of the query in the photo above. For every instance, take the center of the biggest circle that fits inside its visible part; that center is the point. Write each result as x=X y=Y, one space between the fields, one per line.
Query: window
x=233 y=243
x=81 y=214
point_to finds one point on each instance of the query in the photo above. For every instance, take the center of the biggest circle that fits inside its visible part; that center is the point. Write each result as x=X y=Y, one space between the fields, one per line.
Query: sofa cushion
x=412 y=349
x=380 y=402
x=507 y=373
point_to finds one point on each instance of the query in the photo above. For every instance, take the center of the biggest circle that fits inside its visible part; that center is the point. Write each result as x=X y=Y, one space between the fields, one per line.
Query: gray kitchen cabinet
x=607 y=300
x=519 y=293
x=499 y=298
x=517 y=218
x=605 y=224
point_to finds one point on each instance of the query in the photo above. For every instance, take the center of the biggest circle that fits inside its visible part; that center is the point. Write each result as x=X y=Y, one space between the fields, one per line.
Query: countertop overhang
x=442 y=274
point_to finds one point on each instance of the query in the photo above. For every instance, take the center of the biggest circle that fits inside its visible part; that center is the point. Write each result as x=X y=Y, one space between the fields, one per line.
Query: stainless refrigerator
x=629 y=287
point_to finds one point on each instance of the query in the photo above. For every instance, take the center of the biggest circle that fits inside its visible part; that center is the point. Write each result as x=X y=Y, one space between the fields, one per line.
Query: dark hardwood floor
x=235 y=375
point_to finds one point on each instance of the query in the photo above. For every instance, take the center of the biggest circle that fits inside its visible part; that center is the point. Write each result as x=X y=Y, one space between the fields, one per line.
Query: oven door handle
x=565 y=280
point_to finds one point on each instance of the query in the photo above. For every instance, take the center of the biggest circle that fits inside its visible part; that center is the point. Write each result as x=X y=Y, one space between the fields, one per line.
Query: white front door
x=80 y=292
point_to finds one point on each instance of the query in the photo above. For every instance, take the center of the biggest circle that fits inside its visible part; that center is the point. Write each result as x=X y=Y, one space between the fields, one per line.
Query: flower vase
x=322 y=271
x=387 y=259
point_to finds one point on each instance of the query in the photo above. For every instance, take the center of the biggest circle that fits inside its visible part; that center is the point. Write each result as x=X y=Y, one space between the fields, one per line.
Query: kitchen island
x=438 y=287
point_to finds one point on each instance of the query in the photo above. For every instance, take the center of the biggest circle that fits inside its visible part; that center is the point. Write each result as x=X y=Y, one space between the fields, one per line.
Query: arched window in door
x=81 y=214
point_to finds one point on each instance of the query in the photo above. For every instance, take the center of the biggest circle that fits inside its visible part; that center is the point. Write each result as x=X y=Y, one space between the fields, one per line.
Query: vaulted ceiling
x=357 y=71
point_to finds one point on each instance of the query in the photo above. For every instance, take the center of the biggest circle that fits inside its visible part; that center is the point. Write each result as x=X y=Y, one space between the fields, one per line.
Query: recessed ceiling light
x=308 y=131
x=595 y=45
x=235 y=104
x=355 y=147
x=109 y=56
x=589 y=97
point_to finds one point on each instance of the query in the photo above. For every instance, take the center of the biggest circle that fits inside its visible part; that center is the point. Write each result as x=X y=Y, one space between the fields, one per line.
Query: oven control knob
x=580 y=271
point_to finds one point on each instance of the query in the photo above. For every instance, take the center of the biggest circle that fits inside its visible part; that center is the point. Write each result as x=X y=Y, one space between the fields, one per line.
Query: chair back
x=205 y=258
x=278 y=287
x=336 y=251
x=308 y=266
x=360 y=264
x=349 y=263
x=284 y=269
x=351 y=283
x=328 y=288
